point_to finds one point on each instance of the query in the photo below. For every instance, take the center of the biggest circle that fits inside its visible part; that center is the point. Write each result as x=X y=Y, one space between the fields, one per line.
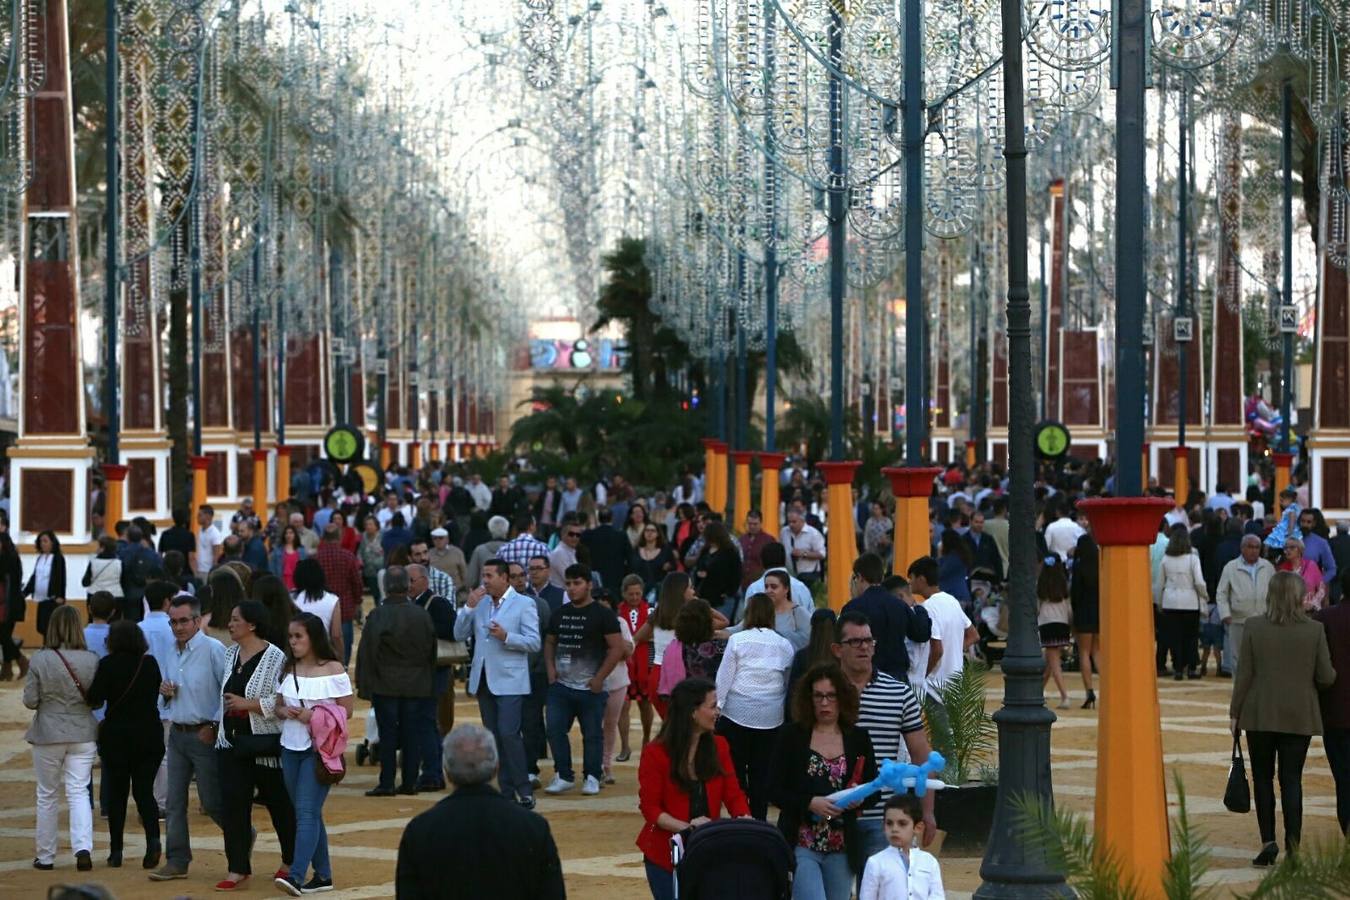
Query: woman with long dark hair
x=47 y=584
x=1179 y=592
x=221 y=594
x=652 y=558
x=954 y=560
x=659 y=630
x=314 y=683
x=633 y=524
x=286 y=555
x=12 y=606
x=1283 y=663
x=1053 y=612
x=248 y=745
x=312 y=596
x=718 y=572
x=131 y=739
x=822 y=750
x=276 y=600
x=685 y=528
x=685 y=779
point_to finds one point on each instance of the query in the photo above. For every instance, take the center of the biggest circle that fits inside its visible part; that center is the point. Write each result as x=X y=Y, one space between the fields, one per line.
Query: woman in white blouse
x=314 y=675
x=751 y=684
x=1179 y=592
x=312 y=596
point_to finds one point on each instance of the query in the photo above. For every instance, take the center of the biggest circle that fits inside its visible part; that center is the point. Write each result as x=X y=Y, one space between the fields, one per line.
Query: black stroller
x=733 y=859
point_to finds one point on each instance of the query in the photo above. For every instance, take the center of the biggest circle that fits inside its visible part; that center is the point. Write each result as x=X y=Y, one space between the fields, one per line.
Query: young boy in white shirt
x=902 y=871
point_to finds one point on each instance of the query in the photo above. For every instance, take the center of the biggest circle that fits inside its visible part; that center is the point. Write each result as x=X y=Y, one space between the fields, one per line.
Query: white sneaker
x=591 y=785
x=559 y=785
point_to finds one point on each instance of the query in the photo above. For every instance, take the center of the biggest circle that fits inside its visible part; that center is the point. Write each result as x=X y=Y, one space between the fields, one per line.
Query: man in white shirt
x=480 y=492
x=1062 y=535
x=565 y=554
x=208 y=543
x=1222 y=499
x=805 y=547
x=952 y=631
x=390 y=508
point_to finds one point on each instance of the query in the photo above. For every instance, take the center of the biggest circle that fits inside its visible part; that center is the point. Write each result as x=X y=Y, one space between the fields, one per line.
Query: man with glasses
x=889 y=711
x=442 y=585
x=541 y=586
x=191 y=692
x=895 y=619
x=565 y=554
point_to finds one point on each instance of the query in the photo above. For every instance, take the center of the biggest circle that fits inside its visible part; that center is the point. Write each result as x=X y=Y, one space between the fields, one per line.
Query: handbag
x=118 y=702
x=1237 y=797
x=322 y=774
x=451 y=653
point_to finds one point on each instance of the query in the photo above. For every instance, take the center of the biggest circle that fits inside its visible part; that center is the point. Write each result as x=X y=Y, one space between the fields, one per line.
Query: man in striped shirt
x=890 y=713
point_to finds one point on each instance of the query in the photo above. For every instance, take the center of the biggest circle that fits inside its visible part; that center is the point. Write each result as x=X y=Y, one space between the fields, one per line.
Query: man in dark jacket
x=892 y=619
x=139 y=564
x=395 y=669
x=1336 y=706
x=437 y=716
x=454 y=849
x=610 y=550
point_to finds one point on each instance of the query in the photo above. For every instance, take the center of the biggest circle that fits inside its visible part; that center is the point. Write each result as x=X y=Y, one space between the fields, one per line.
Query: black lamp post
x=1013 y=868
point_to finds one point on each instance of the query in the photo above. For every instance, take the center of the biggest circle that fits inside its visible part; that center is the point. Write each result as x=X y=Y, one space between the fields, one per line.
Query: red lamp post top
x=839 y=472
x=708 y=443
x=721 y=447
x=114 y=472
x=911 y=481
x=199 y=462
x=259 y=455
x=742 y=457
x=771 y=461
x=1283 y=459
x=1181 y=452
x=1125 y=521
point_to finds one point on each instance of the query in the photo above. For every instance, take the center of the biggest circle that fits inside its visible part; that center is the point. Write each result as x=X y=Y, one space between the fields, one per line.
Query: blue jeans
x=821 y=876
x=501 y=716
x=397 y=720
x=431 y=737
x=348 y=635
x=564 y=705
x=308 y=796
x=660 y=881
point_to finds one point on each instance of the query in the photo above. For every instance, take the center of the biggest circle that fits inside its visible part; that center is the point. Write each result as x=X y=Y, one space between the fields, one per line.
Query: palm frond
x=1318 y=871
x=1065 y=841
x=970 y=735
x=1191 y=855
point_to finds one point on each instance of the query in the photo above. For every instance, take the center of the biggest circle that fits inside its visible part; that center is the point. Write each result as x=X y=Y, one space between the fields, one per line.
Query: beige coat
x=1238 y=596
x=1180 y=584
x=62 y=715
x=1280 y=670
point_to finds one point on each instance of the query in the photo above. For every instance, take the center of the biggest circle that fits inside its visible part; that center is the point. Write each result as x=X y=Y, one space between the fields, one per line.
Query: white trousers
x=71 y=764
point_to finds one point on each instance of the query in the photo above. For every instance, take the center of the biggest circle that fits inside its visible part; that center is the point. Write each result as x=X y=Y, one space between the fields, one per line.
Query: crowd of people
x=225 y=657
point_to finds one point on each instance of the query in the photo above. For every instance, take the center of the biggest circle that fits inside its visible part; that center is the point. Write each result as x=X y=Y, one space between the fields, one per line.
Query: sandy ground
x=595 y=834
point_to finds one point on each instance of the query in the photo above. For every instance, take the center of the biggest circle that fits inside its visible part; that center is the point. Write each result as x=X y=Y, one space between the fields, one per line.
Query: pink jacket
x=672 y=668
x=328 y=731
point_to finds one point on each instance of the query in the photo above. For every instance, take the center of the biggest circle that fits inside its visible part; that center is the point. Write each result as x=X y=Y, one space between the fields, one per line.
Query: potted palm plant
x=965 y=734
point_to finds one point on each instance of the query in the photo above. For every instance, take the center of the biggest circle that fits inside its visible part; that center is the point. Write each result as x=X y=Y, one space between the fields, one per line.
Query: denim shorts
x=1211 y=635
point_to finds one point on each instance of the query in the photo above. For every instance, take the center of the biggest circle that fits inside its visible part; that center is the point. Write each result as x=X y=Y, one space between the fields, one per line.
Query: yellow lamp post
x=114 y=506
x=719 y=501
x=199 y=466
x=970 y=454
x=283 y=472
x=1283 y=464
x=842 y=546
x=911 y=487
x=1131 y=802
x=1181 y=475
x=741 y=460
x=770 y=465
x=260 y=498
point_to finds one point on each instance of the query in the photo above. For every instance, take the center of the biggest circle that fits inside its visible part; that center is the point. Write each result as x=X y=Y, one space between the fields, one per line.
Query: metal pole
x=742 y=401
x=337 y=364
x=1013 y=867
x=916 y=325
x=1045 y=318
x=1183 y=348
x=281 y=369
x=111 y=292
x=771 y=233
x=1287 y=263
x=257 y=345
x=195 y=282
x=838 y=240
x=1129 y=75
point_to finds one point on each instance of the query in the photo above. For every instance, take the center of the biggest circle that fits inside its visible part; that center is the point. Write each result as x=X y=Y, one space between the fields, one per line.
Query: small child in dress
x=1211 y=639
x=902 y=871
x=1053 y=615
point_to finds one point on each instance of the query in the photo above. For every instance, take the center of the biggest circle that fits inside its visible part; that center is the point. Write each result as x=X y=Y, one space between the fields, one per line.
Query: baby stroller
x=733 y=859
x=990 y=615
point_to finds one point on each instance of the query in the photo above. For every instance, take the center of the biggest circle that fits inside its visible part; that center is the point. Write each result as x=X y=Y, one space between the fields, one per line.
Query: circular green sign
x=1052 y=440
x=344 y=444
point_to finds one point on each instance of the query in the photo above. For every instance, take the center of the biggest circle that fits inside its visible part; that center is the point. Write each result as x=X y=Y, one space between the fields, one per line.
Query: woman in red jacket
x=684 y=780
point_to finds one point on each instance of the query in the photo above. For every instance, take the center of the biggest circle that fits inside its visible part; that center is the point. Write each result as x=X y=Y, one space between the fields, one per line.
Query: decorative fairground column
x=1181 y=475
x=114 y=506
x=200 y=465
x=283 y=473
x=51 y=466
x=709 y=469
x=261 y=501
x=842 y=547
x=719 y=501
x=417 y=455
x=911 y=488
x=1283 y=464
x=770 y=465
x=971 y=458
x=741 y=459
x=1130 y=817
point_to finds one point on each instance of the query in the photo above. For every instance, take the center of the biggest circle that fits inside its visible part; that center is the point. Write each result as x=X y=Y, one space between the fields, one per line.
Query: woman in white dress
x=312 y=596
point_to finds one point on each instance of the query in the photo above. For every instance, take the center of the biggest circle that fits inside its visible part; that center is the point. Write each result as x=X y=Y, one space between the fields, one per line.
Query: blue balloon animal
x=895 y=776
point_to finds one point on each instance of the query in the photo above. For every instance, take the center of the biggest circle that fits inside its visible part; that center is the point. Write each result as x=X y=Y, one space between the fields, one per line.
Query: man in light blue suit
x=505 y=631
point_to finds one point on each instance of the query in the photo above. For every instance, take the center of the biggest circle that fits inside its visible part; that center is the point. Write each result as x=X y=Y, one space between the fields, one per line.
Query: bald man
x=1241 y=595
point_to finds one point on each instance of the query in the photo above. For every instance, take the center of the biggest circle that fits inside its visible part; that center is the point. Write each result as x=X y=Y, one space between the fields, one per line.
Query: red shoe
x=283 y=872
x=228 y=885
